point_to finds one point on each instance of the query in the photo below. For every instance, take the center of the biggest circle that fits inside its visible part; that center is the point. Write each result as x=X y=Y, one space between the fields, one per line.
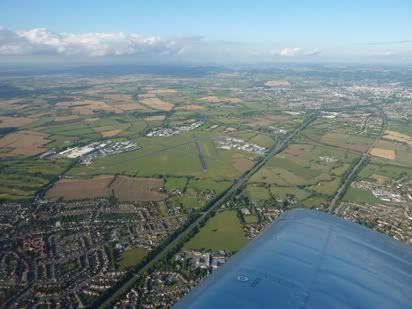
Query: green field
x=21 y=178
x=221 y=232
x=175 y=183
x=250 y=219
x=310 y=173
x=390 y=171
x=131 y=257
x=359 y=196
x=172 y=156
x=257 y=193
x=283 y=192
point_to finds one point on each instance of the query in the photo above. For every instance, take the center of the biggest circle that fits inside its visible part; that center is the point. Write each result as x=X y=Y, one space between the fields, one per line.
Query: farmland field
x=132 y=256
x=221 y=232
x=121 y=187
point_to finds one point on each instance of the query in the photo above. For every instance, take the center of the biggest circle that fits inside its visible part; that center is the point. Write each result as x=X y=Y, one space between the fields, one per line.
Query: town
x=175 y=130
x=228 y=143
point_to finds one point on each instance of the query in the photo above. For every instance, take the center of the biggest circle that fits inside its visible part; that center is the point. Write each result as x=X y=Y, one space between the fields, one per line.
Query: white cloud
x=295 y=52
x=386 y=53
x=43 y=41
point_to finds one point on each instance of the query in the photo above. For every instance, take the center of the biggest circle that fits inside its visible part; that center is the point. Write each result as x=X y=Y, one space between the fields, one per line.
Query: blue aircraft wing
x=309 y=259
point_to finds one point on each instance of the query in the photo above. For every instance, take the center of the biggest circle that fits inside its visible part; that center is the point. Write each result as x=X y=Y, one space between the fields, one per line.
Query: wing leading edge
x=309 y=259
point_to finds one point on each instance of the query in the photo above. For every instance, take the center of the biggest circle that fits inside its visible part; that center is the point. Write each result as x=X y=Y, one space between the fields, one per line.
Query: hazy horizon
x=183 y=32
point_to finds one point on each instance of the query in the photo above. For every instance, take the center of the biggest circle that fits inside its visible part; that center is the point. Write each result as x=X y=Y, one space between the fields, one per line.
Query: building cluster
x=391 y=220
x=363 y=123
x=61 y=253
x=328 y=159
x=390 y=192
x=111 y=148
x=228 y=143
x=266 y=215
x=277 y=130
x=170 y=131
x=160 y=289
x=98 y=149
x=322 y=95
x=203 y=260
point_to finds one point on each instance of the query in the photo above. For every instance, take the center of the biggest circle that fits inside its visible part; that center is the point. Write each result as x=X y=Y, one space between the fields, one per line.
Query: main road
x=349 y=178
x=241 y=181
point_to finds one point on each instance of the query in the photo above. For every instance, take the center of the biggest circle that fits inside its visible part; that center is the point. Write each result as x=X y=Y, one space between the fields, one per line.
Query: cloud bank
x=295 y=52
x=379 y=54
x=44 y=42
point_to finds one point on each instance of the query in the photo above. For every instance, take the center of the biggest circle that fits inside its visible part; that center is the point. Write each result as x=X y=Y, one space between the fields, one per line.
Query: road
x=236 y=185
x=202 y=158
x=349 y=178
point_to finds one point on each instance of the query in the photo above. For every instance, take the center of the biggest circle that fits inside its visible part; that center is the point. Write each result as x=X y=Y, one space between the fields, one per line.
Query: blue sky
x=249 y=31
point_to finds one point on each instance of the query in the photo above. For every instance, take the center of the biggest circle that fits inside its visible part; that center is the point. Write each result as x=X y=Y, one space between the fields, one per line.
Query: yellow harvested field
x=130 y=107
x=156 y=103
x=190 y=107
x=277 y=83
x=124 y=188
x=11 y=104
x=242 y=165
x=214 y=99
x=66 y=118
x=293 y=113
x=138 y=189
x=162 y=91
x=211 y=99
x=64 y=104
x=155 y=118
x=383 y=153
x=92 y=106
x=111 y=133
x=72 y=189
x=83 y=111
x=380 y=179
x=296 y=150
x=124 y=98
x=267 y=120
x=147 y=95
x=24 y=143
x=397 y=136
x=108 y=131
x=16 y=122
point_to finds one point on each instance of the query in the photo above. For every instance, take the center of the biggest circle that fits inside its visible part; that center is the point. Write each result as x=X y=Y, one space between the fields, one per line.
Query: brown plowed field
x=124 y=188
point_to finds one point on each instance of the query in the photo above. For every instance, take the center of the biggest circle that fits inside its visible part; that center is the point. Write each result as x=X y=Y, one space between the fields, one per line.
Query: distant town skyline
x=206 y=32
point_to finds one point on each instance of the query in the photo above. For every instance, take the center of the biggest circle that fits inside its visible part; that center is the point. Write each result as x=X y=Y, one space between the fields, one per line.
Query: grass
x=258 y=193
x=262 y=140
x=327 y=187
x=313 y=202
x=22 y=177
x=389 y=171
x=250 y=219
x=131 y=257
x=402 y=126
x=202 y=185
x=221 y=232
x=191 y=199
x=359 y=196
x=282 y=192
x=301 y=171
x=172 y=156
x=163 y=209
x=175 y=183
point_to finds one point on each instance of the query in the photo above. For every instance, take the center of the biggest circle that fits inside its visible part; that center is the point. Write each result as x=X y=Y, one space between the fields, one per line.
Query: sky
x=196 y=31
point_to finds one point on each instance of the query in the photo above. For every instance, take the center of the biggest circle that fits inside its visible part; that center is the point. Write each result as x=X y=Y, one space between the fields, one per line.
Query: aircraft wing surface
x=309 y=259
